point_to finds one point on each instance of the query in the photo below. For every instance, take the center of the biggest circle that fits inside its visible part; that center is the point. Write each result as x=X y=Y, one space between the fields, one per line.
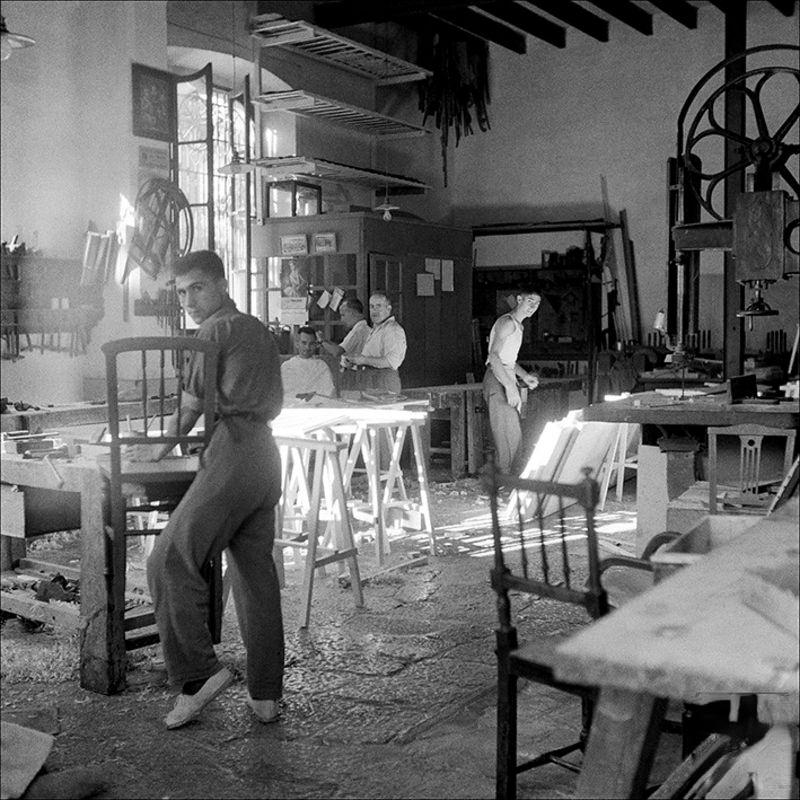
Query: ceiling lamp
x=236 y=166
x=11 y=41
x=386 y=207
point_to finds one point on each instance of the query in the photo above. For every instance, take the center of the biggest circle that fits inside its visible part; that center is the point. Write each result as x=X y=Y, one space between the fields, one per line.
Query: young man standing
x=500 y=381
x=230 y=504
x=351 y=312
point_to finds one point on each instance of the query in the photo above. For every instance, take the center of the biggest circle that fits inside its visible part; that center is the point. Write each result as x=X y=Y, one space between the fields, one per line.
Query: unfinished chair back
x=752 y=491
x=553 y=557
x=158 y=367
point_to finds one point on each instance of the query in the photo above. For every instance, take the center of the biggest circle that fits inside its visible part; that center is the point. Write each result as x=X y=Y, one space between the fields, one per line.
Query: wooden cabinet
x=372 y=254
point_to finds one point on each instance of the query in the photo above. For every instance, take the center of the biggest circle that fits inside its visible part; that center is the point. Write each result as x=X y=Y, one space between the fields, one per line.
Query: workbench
x=692 y=635
x=81 y=484
x=704 y=410
x=664 y=473
x=72 y=415
x=470 y=435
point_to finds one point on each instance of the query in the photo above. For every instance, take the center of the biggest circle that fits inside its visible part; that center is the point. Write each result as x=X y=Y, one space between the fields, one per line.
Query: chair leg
x=506 y=780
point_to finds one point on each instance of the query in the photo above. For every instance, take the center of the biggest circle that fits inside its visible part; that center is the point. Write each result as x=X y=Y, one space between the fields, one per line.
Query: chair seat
x=534 y=661
x=622 y=584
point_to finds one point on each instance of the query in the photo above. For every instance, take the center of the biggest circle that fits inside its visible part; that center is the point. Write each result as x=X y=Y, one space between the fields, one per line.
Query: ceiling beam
x=528 y=21
x=482 y=27
x=342 y=13
x=679 y=10
x=786 y=7
x=575 y=15
x=629 y=13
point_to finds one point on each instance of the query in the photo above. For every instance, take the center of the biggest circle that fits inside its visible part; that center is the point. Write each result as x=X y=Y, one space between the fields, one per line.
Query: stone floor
x=395 y=699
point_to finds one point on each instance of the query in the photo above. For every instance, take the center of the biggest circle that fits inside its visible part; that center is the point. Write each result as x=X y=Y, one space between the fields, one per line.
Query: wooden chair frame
x=160 y=486
x=751 y=438
x=533 y=661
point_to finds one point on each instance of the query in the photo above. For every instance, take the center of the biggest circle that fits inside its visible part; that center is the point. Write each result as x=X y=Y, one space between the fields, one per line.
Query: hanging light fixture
x=11 y=41
x=237 y=165
x=386 y=207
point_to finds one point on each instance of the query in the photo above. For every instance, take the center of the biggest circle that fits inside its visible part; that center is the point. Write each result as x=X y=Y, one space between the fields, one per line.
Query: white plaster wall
x=562 y=118
x=68 y=152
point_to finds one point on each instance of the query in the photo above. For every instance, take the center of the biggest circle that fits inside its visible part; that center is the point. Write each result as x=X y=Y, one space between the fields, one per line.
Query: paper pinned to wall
x=336 y=298
x=425 y=284
x=324 y=299
x=434 y=266
x=447 y=275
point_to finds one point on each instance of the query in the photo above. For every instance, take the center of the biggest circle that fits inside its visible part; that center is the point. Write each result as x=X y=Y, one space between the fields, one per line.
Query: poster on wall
x=447 y=275
x=153 y=103
x=294 y=291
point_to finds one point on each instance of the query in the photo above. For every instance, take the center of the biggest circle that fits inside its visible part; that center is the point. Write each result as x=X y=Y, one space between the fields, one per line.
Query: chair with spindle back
x=137 y=488
x=542 y=567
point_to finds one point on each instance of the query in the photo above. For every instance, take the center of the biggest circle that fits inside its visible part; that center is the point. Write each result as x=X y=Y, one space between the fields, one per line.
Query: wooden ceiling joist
x=483 y=27
x=341 y=13
x=679 y=10
x=528 y=21
x=575 y=15
x=629 y=13
x=786 y=7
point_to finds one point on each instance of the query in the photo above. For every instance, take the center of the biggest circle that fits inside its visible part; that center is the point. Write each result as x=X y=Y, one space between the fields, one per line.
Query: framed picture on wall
x=153 y=92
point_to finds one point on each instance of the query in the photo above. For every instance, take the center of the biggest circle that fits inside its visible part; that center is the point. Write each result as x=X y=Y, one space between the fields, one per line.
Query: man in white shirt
x=384 y=351
x=351 y=312
x=305 y=373
x=500 y=381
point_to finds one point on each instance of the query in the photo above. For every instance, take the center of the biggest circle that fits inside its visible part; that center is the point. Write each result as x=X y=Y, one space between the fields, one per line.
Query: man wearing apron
x=384 y=350
x=229 y=505
x=500 y=381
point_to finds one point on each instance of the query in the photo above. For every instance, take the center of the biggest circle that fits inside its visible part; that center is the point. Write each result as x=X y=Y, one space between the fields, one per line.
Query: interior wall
x=561 y=119
x=68 y=153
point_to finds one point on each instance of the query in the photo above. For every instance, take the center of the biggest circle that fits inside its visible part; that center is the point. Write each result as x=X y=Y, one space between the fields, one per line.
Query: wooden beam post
x=733 y=301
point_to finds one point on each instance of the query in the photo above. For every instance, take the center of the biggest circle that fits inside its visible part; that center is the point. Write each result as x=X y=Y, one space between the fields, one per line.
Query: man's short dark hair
x=354 y=304
x=307 y=329
x=381 y=293
x=207 y=261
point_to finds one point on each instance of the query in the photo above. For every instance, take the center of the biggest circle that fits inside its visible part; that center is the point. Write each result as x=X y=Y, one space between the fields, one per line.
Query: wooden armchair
x=536 y=560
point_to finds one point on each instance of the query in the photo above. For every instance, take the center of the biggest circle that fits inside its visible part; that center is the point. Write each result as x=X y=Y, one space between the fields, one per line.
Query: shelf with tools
x=46 y=305
x=271 y=30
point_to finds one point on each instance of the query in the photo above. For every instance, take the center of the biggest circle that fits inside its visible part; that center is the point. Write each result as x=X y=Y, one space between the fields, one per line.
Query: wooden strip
x=25 y=605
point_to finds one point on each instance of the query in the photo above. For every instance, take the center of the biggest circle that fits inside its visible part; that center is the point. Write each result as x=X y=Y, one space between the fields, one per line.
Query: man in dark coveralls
x=230 y=504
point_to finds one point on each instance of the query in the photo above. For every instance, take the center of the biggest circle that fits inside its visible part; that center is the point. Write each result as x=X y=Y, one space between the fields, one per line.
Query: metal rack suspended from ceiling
x=274 y=30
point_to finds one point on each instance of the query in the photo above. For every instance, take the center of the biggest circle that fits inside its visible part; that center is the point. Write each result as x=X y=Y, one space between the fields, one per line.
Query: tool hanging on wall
x=164 y=228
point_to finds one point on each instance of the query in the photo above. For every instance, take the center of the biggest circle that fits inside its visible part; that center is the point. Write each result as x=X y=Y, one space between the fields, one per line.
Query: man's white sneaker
x=265 y=710
x=188 y=706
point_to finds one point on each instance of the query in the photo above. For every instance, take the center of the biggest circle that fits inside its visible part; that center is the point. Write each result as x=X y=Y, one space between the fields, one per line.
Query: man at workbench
x=351 y=312
x=306 y=373
x=384 y=350
x=230 y=504
x=503 y=398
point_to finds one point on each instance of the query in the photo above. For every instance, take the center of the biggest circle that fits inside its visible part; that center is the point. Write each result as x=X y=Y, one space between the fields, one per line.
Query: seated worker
x=351 y=312
x=305 y=373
